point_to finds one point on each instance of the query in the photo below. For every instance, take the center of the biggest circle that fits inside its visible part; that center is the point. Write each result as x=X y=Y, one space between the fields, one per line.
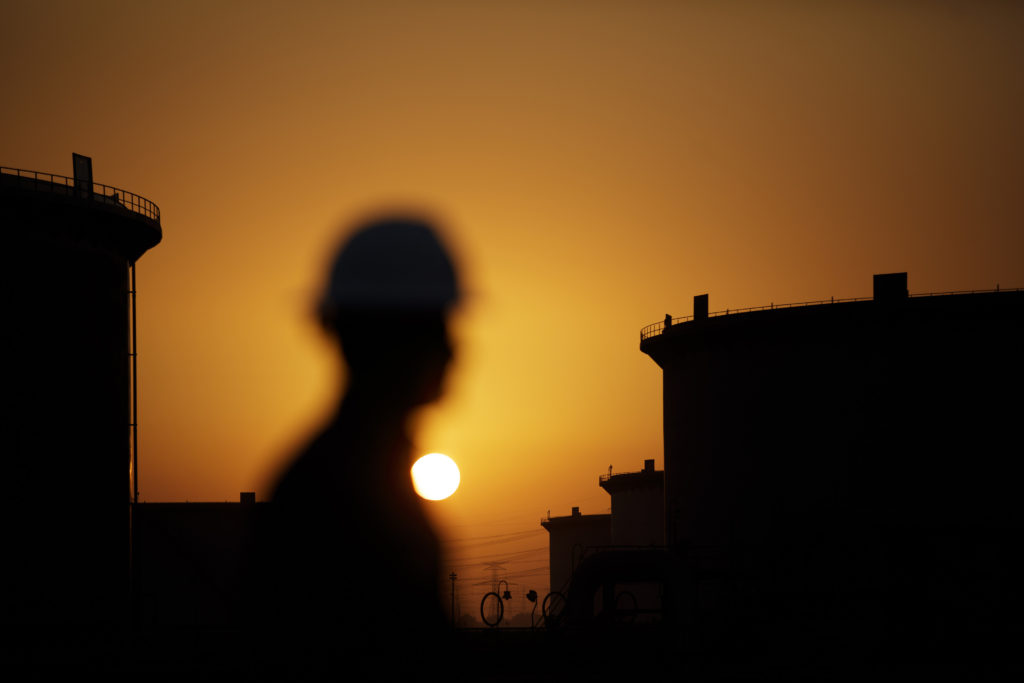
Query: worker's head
x=387 y=299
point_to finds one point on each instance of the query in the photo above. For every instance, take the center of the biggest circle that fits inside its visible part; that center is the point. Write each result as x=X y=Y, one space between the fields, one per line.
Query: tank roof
x=887 y=292
x=575 y=519
x=622 y=481
x=63 y=186
x=47 y=206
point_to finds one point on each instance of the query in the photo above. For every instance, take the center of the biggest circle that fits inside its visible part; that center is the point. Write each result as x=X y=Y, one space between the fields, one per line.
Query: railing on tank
x=602 y=478
x=104 y=194
x=657 y=328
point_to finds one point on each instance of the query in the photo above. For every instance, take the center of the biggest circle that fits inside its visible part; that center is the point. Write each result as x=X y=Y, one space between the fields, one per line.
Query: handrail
x=549 y=518
x=601 y=478
x=656 y=329
x=104 y=194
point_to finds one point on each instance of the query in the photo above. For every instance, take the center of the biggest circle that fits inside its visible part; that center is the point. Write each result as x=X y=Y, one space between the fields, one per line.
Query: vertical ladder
x=133 y=444
x=133 y=425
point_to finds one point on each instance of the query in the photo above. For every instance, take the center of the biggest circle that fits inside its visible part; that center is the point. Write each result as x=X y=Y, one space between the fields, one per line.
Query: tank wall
x=66 y=422
x=638 y=516
x=781 y=426
x=850 y=473
x=568 y=538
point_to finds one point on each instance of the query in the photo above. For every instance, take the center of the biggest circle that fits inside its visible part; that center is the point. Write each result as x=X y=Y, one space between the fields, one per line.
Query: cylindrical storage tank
x=850 y=471
x=68 y=392
x=638 y=506
x=571 y=538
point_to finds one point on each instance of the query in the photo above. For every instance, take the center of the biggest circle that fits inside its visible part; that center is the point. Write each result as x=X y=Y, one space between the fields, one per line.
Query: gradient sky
x=595 y=165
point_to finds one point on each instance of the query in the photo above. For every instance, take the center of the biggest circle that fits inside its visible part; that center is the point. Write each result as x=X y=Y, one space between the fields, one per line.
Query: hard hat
x=394 y=264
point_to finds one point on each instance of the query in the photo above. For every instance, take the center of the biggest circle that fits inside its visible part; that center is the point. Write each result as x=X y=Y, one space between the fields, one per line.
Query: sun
x=435 y=476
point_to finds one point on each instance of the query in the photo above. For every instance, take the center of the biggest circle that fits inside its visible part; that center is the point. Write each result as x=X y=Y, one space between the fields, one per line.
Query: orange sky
x=597 y=164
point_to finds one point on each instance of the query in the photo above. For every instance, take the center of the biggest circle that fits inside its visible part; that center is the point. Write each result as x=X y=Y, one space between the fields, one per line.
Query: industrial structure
x=69 y=424
x=625 y=539
x=638 y=506
x=570 y=537
x=848 y=471
x=840 y=492
x=191 y=562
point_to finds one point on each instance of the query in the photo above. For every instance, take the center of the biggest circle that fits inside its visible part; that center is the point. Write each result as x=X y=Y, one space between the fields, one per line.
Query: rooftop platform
x=774 y=312
x=44 y=203
x=646 y=478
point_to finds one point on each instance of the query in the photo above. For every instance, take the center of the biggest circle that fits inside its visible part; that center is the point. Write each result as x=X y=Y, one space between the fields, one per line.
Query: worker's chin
x=430 y=396
x=430 y=391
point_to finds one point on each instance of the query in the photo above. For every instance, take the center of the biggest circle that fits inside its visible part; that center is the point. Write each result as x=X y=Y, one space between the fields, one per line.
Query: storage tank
x=68 y=262
x=571 y=539
x=638 y=506
x=850 y=470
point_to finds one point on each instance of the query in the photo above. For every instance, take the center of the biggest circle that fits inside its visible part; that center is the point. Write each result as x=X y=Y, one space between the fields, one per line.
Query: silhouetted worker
x=350 y=580
x=668 y=320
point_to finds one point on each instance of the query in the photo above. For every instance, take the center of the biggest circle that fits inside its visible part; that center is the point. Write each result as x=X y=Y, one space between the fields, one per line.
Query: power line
x=495 y=538
x=466 y=561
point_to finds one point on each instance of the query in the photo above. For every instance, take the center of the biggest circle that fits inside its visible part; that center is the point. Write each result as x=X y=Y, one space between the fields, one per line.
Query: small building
x=191 y=562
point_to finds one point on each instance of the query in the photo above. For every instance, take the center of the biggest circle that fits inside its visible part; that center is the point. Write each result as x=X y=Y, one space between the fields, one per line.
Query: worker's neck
x=381 y=398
